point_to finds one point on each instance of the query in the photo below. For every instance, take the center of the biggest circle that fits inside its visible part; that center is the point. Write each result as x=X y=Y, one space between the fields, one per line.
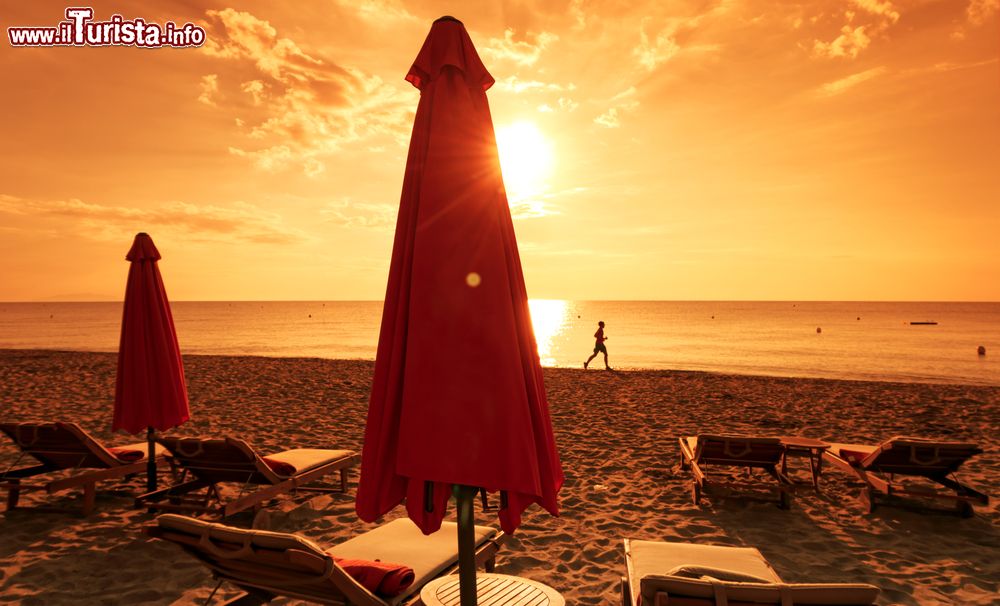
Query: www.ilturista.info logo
x=81 y=30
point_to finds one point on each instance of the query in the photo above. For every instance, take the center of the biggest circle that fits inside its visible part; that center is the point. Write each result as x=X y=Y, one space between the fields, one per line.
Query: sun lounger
x=734 y=451
x=686 y=574
x=933 y=460
x=267 y=564
x=206 y=463
x=66 y=447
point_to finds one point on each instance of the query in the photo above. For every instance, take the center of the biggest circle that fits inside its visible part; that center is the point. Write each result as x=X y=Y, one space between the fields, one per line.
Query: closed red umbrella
x=150 y=392
x=457 y=396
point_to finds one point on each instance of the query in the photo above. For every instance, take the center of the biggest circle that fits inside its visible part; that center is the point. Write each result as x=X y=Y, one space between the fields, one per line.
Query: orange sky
x=843 y=150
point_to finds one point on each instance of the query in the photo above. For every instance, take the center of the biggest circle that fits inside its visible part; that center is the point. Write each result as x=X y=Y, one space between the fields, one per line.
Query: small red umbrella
x=150 y=392
x=457 y=397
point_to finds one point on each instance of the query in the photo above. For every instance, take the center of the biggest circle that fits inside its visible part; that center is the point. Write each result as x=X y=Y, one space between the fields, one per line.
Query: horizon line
x=43 y=301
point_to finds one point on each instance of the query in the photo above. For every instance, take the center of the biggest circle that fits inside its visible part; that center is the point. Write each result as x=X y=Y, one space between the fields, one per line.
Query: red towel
x=129 y=455
x=280 y=467
x=381 y=578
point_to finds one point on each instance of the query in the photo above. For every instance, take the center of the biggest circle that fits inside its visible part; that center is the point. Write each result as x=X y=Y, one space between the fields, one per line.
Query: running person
x=599 y=346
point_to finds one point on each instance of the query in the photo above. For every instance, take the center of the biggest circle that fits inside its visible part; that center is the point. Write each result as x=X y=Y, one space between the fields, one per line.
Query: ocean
x=856 y=340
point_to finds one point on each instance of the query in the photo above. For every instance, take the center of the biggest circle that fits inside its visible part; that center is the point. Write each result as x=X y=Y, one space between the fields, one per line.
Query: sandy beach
x=616 y=433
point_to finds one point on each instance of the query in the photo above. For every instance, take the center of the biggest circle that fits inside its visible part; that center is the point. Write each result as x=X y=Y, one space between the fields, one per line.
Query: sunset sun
x=525 y=159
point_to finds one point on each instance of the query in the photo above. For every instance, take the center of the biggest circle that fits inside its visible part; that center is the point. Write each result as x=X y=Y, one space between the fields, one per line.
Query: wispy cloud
x=521 y=52
x=350 y=213
x=622 y=102
x=306 y=106
x=516 y=85
x=240 y=222
x=651 y=52
x=876 y=17
x=378 y=11
x=209 y=89
x=842 y=85
x=980 y=11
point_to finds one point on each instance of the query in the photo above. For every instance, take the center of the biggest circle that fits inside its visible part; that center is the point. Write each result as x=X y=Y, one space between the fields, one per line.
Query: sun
x=525 y=160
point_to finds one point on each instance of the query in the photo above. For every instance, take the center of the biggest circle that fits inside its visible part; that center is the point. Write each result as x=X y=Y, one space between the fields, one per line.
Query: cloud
x=516 y=85
x=579 y=16
x=348 y=213
x=882 y=8
x=980 y=11
x=620 y=103
x=842 y=85
x=239 y=223
x=652 y=53
x=302 y=105
x=209 y=89
x=521 y=52
x=567 y=104
x=379 y=12
x=857 y=34
x=850 y=43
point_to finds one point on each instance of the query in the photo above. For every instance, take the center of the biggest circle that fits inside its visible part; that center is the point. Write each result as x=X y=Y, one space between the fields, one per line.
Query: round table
x=492 y=590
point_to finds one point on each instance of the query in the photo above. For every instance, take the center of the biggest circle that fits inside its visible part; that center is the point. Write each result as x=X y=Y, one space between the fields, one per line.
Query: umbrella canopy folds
x=457 y=395
x=150 y=392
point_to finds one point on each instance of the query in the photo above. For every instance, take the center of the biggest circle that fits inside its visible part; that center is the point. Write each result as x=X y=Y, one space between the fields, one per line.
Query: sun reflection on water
x=548 y=317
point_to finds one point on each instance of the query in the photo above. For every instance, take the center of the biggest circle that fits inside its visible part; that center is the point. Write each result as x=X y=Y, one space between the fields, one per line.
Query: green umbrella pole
x=150 y=461
x=464 y=496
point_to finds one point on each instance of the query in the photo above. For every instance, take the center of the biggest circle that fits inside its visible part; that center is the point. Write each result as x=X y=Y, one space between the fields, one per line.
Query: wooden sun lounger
x=734 y=451
x=206 y=463
x=266 y=564
x=933 y=460
x=67 y=447
x=687 y=574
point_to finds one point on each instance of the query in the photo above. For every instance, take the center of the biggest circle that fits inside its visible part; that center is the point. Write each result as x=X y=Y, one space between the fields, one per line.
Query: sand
x=616 y=433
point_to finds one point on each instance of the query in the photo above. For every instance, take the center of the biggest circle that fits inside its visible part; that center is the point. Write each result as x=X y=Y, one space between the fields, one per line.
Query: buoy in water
x=981 y=351
x=818 y=330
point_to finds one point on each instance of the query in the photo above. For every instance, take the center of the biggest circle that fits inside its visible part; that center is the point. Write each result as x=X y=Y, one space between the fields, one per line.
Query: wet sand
x=616 y=433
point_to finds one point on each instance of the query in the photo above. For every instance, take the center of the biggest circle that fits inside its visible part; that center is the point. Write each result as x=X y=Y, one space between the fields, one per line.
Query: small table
x=492 y=590
x=796 y=446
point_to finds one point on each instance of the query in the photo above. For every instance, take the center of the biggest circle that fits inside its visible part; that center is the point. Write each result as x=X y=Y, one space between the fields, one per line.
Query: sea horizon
x=855 y=340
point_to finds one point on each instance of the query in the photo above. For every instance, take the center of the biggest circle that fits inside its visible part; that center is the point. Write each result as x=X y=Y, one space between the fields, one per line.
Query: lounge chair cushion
x=300 y=460
x=657 y=566
x=657 y=558
x=800 y=594
x=401 y=541
x=719 y=574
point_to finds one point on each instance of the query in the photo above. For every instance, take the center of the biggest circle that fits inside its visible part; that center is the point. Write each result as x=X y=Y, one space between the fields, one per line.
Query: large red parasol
x=457 y=396
x=150 y=392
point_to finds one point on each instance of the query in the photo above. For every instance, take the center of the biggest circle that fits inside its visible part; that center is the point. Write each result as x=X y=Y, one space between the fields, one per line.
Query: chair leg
x=784 y=499
x=343 y=480
x=868 y=499
x=13 y=493
x=490 y=564
x=625 y=592
x=89 y=495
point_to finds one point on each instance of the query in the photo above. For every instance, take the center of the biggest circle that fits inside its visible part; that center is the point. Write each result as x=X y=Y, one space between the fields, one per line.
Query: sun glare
x=525 y=159
x=548 y=318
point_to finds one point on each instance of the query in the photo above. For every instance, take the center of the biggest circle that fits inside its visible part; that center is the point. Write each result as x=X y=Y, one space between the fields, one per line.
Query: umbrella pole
x=150 y=461
x=464 y=496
